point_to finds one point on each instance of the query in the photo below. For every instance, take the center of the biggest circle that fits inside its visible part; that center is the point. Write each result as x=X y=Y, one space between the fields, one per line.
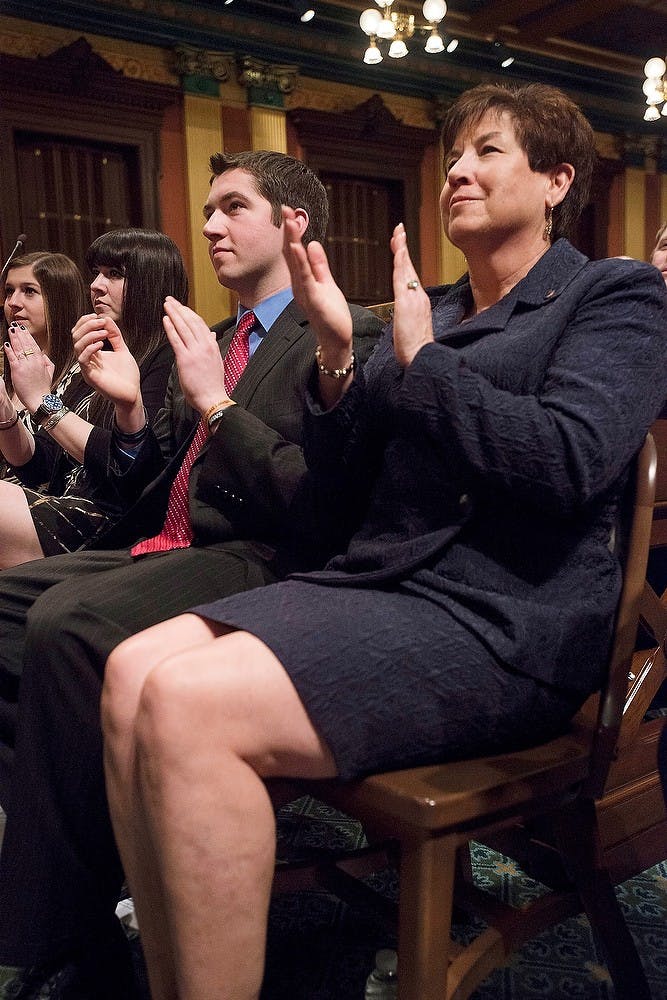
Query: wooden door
x=362 y=214
x=72 y=191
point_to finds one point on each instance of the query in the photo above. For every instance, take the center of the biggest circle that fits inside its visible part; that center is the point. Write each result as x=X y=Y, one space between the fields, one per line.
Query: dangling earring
x=549 y=224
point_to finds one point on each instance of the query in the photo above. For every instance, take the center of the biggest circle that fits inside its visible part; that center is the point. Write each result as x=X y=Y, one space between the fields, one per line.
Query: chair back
x=637 y=516
x=383 y=310
x=659 y=434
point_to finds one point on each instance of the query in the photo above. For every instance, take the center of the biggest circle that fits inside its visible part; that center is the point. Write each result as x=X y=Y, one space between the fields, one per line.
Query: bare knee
x=124 y=675
x=172 y=703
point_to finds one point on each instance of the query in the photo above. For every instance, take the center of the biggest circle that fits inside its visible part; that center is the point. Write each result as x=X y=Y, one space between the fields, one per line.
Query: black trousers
x=60 y=874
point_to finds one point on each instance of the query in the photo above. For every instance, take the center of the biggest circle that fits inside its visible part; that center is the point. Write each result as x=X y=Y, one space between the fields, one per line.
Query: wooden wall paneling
x=73 y=94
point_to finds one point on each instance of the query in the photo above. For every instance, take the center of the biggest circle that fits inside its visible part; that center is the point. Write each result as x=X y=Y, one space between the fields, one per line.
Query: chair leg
x=427 y=870
x=577 y=837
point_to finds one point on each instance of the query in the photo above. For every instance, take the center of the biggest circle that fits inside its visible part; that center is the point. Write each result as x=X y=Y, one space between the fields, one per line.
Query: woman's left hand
x=32 y=370
x=413 y=326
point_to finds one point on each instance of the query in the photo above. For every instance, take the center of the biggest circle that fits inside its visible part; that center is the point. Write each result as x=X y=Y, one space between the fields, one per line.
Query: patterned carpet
x=321 y=949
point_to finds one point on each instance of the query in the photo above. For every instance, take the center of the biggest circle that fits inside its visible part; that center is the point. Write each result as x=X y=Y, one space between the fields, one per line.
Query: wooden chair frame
x=430 y=814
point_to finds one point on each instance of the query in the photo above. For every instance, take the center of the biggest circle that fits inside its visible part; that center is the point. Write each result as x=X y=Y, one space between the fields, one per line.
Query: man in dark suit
x=208 y=493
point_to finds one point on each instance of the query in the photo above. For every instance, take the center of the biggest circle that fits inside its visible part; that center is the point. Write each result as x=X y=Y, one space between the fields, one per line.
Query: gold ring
x=29 y=351
x=413 y=284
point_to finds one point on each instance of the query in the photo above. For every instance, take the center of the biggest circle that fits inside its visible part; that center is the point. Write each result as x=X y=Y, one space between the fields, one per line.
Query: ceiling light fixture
x=304 y=10
x=655 y=89
x=395 y=26
x=503 y=55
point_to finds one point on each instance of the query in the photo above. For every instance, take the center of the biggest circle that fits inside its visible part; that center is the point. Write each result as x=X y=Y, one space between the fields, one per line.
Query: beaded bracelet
x=6 y=425
x=333 y=372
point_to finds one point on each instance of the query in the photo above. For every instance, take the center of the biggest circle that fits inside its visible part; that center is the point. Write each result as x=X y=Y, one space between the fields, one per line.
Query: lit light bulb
x=655 y=67
x=434 y=10
x=308 y=15
x=452 y=45
x=386 y=28
x=398 y=49
x=651 y=114
x=372 y=55
x=369 y=21
x=434 y=42
x=652 y=90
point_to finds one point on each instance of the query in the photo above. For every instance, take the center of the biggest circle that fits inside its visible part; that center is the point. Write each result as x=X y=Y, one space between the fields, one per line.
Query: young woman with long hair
x=64 y=499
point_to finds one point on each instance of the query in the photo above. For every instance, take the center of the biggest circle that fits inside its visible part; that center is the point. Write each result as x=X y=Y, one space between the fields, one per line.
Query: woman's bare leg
x=211 y=724
x=18 y=539
x=125 y=674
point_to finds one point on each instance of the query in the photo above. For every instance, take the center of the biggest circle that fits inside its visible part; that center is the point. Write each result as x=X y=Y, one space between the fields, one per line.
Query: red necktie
x=177 y=530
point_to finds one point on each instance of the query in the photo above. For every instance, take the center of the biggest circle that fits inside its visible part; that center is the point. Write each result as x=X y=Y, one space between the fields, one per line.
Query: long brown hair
x=65 y=299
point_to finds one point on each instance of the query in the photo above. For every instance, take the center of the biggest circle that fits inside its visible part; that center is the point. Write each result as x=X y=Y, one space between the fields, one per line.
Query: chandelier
x=395 y=26
x=655 y=88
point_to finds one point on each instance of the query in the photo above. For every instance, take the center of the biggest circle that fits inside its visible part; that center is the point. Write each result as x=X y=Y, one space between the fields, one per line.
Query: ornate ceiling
x=595 y=50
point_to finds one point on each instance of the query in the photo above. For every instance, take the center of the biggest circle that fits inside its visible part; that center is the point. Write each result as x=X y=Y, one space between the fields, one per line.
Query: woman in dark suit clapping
x=469 y=476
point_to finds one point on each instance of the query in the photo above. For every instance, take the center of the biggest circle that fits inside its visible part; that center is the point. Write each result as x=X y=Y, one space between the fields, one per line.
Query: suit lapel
x=543 y=284
x=287 y=329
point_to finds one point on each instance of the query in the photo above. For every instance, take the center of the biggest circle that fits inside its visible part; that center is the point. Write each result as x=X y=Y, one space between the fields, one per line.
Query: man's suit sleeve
x=254 y=466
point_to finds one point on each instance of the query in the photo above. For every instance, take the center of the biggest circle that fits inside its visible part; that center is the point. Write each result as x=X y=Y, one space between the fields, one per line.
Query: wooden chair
x=431 y=814
x=632 y=814
x=383 y=310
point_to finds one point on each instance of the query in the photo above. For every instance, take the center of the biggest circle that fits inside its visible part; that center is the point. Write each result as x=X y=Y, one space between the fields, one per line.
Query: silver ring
x=413 y=284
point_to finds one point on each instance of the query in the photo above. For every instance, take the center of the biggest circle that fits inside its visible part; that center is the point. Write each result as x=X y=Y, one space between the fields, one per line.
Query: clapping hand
x=318 y=294
x=112 y=372
x=201 y=370
x=32 y=370
x=413 y=326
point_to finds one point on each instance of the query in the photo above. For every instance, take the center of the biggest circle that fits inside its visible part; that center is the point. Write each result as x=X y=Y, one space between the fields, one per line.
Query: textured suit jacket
x=490 y=469
x=242 y=483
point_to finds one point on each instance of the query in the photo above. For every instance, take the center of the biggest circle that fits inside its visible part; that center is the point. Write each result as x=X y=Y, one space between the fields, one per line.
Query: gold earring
x=549 y=224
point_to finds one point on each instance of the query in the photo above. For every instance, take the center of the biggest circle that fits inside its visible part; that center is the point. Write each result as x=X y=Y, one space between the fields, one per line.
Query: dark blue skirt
x=390 y=679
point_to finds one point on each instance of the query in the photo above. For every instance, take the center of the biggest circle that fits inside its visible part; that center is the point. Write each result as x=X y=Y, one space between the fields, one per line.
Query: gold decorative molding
x=641 y=149
x=24 y=45
x=318 y=95
x=256 y=73
x=140 y=62
x=190 y=61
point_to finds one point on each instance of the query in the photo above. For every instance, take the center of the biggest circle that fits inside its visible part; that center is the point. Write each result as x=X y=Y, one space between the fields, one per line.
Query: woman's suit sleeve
x=561 y=446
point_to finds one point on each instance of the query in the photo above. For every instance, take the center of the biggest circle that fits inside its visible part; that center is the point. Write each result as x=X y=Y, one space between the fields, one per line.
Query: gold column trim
x=268 y=129
x=634 y=213
x=203 y=136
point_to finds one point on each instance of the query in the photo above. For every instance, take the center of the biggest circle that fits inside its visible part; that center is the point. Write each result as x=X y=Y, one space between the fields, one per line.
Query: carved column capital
x=266 y=83
x=190 y=61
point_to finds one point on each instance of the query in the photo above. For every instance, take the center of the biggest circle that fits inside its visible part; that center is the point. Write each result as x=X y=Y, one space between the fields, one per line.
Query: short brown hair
x=550 y=128
x=282 y=180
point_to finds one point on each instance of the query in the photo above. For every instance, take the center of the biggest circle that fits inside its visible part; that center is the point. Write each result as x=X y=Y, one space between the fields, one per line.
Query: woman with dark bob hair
x=64 y=498
x=469 y=478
